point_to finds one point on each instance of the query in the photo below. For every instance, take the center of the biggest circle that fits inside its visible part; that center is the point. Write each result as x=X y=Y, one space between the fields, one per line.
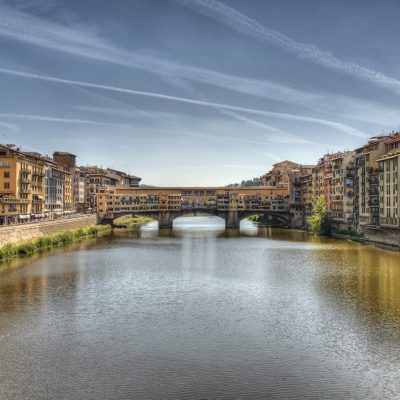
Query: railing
x=373 y=181
x=390 y=221
x=26 y=191
x=13 y=200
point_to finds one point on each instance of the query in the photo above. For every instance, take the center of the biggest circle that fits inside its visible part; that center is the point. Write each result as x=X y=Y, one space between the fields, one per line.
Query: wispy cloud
x=248 y=26
x=84 y=40
x=280 y=136
x=73 y=40
x=44 y=118
x=293 y=117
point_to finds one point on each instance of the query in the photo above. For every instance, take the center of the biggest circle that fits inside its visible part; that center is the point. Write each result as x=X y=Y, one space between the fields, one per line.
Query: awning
x=24 y=216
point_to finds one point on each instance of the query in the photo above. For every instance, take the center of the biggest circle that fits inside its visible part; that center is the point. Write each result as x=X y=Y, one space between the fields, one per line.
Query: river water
x=200 y=313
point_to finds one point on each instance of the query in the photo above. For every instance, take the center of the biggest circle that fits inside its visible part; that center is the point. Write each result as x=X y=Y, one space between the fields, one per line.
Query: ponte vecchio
x=168 y=203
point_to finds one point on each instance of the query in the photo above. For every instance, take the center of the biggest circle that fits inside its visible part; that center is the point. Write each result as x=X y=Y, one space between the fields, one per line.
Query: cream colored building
x=367 y=182
x=389 y=177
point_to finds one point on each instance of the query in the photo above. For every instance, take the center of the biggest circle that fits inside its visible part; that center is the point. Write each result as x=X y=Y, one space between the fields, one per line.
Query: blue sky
x=197 y=92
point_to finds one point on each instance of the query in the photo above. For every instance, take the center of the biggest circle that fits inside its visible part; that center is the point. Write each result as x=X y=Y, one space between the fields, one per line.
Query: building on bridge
x=166 y=204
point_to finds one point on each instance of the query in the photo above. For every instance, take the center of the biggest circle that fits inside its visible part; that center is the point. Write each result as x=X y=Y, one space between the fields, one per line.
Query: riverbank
x=18 y=233
x=366 y=241
x=31 y=246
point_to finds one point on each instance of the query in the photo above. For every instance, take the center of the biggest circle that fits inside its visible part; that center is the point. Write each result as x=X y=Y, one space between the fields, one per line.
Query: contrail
x=243 y=24
x=341 y=127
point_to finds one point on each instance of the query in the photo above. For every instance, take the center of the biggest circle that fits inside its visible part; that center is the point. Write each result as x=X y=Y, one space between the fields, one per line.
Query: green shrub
x=320 y=223
x=128 y=221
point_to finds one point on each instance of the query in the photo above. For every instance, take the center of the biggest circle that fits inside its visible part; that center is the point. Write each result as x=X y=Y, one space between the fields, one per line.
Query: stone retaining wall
x=390 y=236
x=17 y=233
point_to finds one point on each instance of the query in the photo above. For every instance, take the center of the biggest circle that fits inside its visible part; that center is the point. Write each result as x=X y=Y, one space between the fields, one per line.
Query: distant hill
x=248 y=183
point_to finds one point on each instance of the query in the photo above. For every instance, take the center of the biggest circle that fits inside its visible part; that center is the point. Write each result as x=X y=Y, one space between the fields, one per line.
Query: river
x=200 y=313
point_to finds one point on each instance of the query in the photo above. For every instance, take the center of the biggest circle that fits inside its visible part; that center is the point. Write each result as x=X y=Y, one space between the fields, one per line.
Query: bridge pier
x=165 y=220
x=232 y=220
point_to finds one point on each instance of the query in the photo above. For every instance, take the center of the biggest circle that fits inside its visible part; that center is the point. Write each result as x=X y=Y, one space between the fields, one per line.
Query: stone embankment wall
x=387 y=236
x=382 y=237
x=17 y=233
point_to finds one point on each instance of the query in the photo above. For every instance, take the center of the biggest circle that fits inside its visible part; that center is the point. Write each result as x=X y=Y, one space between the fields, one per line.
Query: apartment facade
x=300 y=189
x=279 y=174
x=104 y=179
x=22 y=185
x=367 y=181
x=389 y=177
x=342 y=204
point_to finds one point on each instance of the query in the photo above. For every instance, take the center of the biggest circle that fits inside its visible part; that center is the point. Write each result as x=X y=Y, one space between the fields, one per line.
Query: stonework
x=17 y=233
x=382 y=235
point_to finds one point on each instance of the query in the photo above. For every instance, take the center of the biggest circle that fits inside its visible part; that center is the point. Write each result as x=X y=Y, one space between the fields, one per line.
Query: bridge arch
x=179 y=221
x=231 y=217
x=273 y=217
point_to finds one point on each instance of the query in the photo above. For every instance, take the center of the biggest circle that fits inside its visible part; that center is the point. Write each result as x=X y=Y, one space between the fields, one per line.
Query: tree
x=320 y=223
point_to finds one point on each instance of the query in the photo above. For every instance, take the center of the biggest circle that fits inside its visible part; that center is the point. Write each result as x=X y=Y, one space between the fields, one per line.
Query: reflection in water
x=199 y=312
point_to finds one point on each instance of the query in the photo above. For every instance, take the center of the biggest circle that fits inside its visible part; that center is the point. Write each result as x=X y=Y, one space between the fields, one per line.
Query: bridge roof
x=218 y=190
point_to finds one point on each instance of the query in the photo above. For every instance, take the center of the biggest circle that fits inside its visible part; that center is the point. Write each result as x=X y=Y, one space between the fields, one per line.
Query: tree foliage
x=319 y=222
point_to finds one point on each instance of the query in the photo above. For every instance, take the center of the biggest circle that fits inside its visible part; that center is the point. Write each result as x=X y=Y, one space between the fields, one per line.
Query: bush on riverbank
x=131 y=221
x=320 y=223
x=56 y=239
x=257 y=218
x=264 y=220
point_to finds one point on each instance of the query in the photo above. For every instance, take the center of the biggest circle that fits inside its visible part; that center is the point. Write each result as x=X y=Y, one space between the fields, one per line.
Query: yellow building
x=21 y=185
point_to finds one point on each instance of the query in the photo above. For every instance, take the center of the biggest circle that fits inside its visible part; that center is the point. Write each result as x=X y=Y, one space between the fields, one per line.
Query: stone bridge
x=232 y=218
x=167 y=204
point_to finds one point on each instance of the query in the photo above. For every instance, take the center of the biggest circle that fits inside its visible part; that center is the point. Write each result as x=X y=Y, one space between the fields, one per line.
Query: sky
x=197 y=92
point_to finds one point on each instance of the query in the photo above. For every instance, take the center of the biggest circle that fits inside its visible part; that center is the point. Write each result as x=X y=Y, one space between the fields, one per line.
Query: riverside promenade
x=16 y=233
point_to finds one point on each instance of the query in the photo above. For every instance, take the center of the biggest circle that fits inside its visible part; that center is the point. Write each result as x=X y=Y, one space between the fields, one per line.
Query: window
x=6 y=174
x=6 y=185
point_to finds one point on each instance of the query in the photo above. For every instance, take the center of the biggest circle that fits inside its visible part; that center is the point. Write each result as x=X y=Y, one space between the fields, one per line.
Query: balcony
x=379 y=170
x=13 y=200
x=25 y=180
x=25 y=191
x=373 y=192
x=25 y=171
x=373 y=181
